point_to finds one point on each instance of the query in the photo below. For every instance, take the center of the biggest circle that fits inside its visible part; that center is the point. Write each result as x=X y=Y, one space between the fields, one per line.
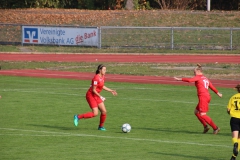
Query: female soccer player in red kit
x=95 y=100
x=202 y=84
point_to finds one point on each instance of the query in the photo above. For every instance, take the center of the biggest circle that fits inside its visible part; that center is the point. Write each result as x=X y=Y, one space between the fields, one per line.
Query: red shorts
x=203 y=102
x=93 y=100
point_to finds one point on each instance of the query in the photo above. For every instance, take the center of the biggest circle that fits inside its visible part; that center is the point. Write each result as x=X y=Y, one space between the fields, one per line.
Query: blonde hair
x=198 y=68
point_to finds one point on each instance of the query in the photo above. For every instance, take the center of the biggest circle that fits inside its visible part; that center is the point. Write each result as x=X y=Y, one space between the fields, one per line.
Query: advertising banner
x=60 y=36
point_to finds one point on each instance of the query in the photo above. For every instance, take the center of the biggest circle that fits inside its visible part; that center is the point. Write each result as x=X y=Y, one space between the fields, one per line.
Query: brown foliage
x=156 y=18
x=181 y=4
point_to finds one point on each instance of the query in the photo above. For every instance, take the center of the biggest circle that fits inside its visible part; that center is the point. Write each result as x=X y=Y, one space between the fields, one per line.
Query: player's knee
x=104 y=112
x=196 y=111
x=203 y=113
x=95 y=113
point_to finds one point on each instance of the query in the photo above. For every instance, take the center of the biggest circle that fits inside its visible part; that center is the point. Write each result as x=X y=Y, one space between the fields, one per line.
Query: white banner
x=60 y=35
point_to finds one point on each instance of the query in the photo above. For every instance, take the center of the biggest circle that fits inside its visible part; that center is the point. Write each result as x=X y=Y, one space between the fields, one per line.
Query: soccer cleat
x=75 y=120
x=206 y=129
x=101 y=128
x=216 y=131
x=233 y=158
x=235 y=149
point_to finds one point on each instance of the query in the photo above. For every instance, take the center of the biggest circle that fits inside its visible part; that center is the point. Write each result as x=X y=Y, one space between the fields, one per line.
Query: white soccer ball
x=126 y=128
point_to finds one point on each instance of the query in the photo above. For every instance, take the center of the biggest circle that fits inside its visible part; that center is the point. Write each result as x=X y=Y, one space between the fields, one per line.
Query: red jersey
x=97 y=81
x=202 y=84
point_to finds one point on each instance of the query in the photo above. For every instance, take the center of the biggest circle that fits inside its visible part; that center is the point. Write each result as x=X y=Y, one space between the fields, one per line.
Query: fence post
x=100 y=38
x=208 y=5
x=172 y=40
x=22 y=34
x=231 y=40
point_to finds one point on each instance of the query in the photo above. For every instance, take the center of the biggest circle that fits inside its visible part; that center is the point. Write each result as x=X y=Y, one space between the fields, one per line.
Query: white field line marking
x=36 y=135
x=115 y=87
x=86 y=88
x=133 y=99
x=54 y=93
x=89 y=76
x=122 y=88
x=116 y=78
x=51 y=74
x=35 y=82
x=111 y=137
x=44 y=89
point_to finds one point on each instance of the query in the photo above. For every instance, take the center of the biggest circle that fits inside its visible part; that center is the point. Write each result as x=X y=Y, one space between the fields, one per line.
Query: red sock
x=102 y=119
x=209 y=121
x=86 y=115
x=201 y=119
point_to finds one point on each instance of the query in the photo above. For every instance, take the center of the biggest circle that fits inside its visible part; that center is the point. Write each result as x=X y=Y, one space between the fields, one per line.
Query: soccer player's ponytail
x=99 y=68
x=199 y=67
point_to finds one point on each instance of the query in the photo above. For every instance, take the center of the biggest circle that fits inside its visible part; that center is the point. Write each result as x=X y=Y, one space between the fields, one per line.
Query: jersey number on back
x=206 y=83
x=236 y=105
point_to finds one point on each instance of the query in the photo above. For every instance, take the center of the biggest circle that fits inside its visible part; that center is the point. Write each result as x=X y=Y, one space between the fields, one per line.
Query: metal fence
x=171 y=37
x=10 y=34
x=199 y=38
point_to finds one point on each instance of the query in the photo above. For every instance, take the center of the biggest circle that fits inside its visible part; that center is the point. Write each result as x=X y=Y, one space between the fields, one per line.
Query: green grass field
x=37 y=122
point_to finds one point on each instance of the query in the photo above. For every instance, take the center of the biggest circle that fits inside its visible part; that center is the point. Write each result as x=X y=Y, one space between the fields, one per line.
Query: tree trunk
x=238 y=4
x=129 y=5
x=164 y=4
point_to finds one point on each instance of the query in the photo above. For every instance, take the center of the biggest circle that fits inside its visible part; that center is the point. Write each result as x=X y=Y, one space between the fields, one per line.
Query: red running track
x=122 y=58
x=117 y=58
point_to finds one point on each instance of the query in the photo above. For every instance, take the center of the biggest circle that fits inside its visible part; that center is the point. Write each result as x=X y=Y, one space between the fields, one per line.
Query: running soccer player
x=233 y=109
x=95 y=100
x=202 y=84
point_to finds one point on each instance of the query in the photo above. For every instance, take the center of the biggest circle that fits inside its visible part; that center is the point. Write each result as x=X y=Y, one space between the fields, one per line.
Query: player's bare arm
x=95 y=91
x=219 y=94
x=178 y=79
x=110 y=90
x=228 y=111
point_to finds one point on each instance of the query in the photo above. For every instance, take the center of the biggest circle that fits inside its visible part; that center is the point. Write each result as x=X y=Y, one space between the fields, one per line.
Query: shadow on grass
x=177 y=156
x=53 y=127
x=171 y=130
